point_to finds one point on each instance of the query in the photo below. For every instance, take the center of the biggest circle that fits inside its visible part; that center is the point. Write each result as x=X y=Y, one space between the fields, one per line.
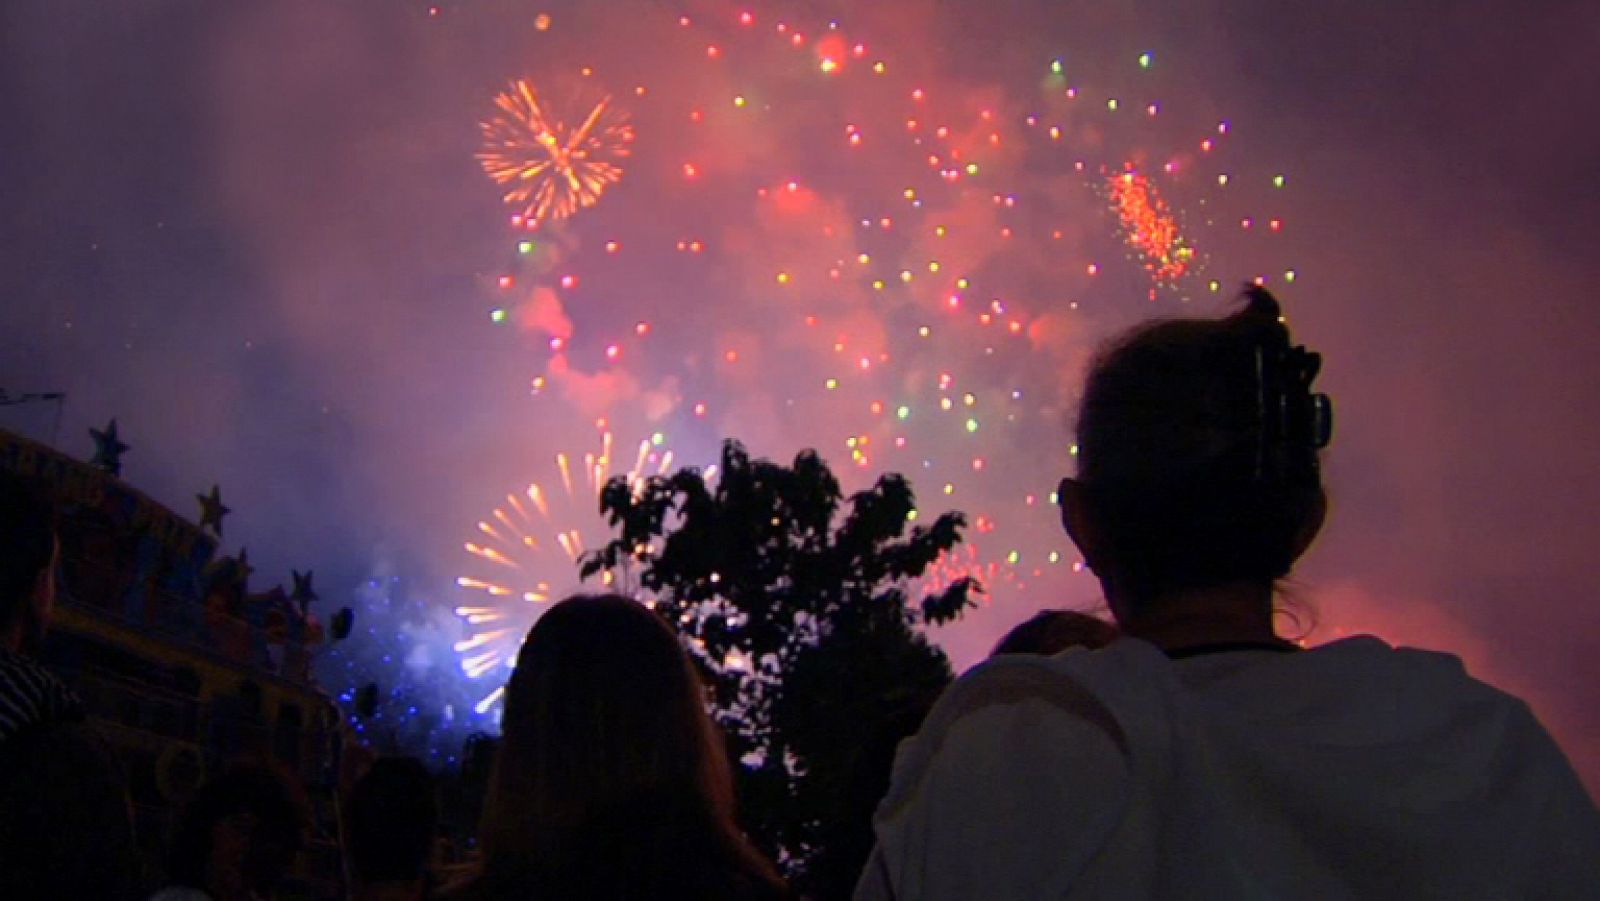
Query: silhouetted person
x=238 y=837
x=1202 y=755
x=611 y=780
x=65 y=825
x=390 y=823
x=1053 y=631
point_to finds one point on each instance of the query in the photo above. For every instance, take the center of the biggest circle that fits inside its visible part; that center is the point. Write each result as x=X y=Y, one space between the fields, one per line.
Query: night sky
x=256 y=234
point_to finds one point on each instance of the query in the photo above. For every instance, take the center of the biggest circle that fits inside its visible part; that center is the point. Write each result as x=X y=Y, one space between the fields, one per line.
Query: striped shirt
x=30 y=696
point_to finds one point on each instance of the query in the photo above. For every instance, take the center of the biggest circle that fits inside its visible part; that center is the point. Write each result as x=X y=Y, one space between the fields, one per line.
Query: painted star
x=212 y=510
x=108 y=449
x=303 y=594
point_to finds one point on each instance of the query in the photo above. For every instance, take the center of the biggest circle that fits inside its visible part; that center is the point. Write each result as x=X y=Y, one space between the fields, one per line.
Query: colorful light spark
x=1149 y=226
x=553 y=162
x=839 y=235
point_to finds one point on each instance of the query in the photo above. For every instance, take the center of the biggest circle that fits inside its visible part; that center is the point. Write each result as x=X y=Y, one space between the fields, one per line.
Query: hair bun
x=1260 y=307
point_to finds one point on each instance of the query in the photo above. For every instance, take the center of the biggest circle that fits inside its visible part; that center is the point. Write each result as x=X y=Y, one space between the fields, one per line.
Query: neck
x=1221 y=614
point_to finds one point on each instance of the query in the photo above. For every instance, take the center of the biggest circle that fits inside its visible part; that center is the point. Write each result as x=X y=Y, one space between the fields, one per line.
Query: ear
x=1077 y=518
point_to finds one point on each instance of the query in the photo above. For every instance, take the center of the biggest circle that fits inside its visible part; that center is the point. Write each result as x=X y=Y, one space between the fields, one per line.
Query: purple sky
x=255 y=234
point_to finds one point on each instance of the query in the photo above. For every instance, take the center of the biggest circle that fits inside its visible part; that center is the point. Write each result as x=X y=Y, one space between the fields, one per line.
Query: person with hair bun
x=1202 y=754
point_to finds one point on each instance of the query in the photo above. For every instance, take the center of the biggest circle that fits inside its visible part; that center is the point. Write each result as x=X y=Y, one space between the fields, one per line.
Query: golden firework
x=552 y=164
x=528 y=550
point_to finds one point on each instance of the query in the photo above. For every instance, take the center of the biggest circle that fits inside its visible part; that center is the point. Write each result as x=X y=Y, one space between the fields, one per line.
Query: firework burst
x=965 y=561
x=1149 y=226
x=551 y=163
x=529 y=547
x=891 y=263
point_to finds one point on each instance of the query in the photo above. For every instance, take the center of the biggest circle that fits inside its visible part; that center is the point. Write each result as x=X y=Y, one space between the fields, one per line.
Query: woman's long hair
x=611 y=780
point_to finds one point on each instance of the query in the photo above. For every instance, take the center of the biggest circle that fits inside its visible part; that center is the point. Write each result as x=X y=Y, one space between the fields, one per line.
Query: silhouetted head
x=610 y=779
x=390 y=820
x=28 y=551
x=1050 y=632
x=240 y=833
x=1197 y=458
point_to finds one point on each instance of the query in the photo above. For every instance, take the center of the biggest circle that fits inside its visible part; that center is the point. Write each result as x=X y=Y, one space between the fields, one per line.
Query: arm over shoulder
x=1011 y=788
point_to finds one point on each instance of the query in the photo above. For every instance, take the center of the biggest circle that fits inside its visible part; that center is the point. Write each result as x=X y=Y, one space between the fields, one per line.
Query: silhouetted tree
x=795 y=605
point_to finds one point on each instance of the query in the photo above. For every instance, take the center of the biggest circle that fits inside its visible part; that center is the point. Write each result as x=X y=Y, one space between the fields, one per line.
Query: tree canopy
x=796 y=604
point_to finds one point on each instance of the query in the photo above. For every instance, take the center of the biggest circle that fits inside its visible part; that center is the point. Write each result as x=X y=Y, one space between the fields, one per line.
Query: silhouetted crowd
x=1188 y=750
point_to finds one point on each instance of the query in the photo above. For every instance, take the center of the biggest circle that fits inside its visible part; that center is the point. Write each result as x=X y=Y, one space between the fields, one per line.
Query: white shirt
x=1351 y=770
